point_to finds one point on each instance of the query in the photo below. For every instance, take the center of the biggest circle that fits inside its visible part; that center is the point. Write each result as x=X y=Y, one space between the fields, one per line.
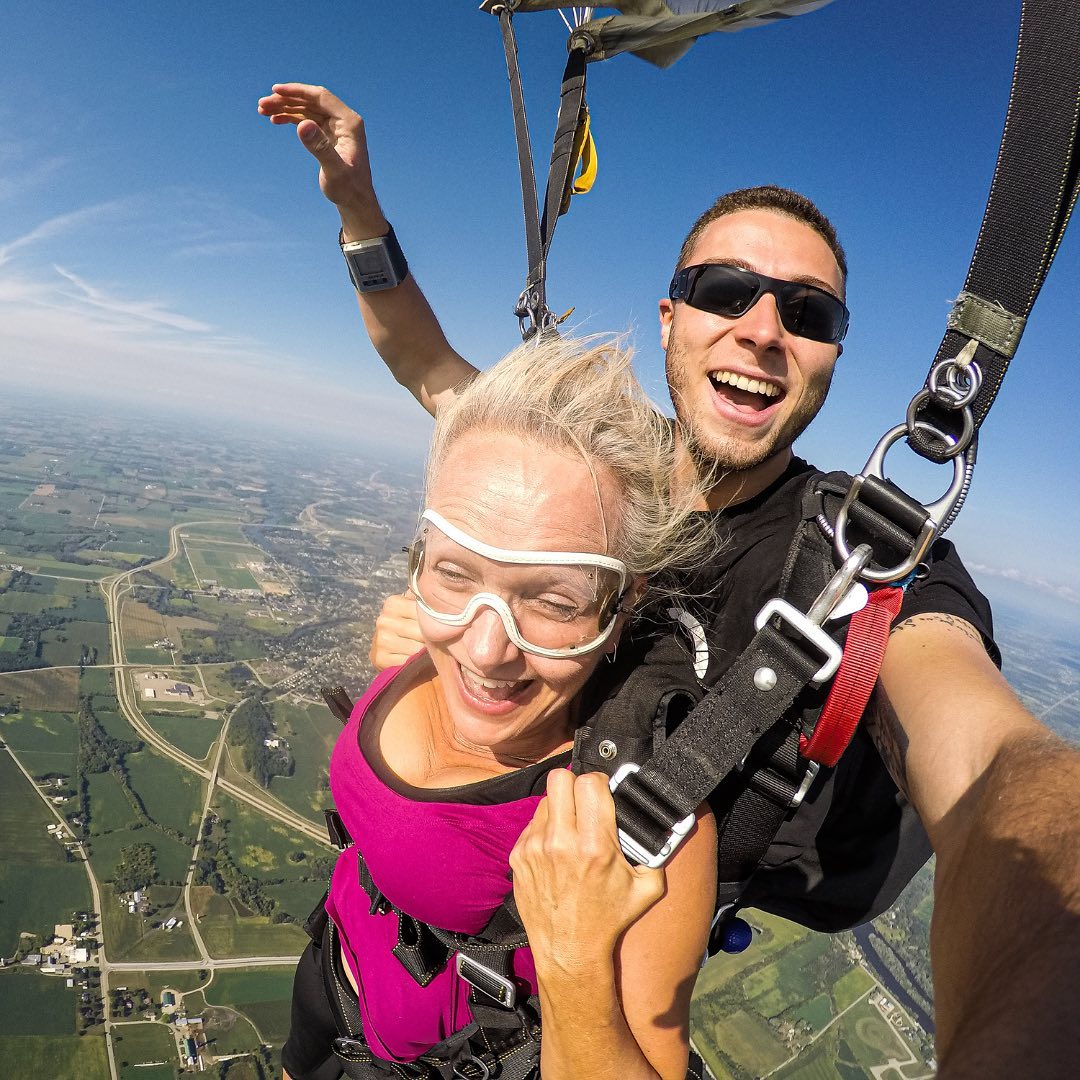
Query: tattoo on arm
x=884 y=727
x=939 y=617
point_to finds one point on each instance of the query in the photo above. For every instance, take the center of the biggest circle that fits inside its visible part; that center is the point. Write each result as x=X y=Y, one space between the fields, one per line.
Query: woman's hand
x=397 y=633
x=334 y=135
x=575 y=891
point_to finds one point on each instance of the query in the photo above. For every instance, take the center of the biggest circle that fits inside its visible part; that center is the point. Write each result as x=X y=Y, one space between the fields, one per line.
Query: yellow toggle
x=584 y=152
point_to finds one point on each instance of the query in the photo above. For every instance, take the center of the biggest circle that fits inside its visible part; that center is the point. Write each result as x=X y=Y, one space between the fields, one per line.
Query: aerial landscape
x=170 y=605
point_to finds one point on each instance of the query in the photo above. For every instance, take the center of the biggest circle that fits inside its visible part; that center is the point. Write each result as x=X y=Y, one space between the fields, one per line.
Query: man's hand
x=397 y=633
x=334 y=135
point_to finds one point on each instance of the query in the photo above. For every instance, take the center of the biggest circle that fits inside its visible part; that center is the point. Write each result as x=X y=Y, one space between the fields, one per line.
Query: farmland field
x=67 y=644
x=54 y=1056
x=172 y=796
x=38 y=887
x=228 y=935
x=194 y=735
x=35 y=1004
x=41 y=689
x=311 y=731
x=46 y=742
x=223 y=563
x=139 y=1043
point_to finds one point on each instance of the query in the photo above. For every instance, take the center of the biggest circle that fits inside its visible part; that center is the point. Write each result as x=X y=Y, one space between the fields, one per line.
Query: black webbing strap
x=744 y=734
x=337 y=701
x=532 y=307
x=532 y=310
x=1033 y=191
x=717 y=735
x=563 y=158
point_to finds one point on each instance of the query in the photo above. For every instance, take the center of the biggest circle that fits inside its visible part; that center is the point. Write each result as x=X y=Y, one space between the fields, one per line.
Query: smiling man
x=752 y=328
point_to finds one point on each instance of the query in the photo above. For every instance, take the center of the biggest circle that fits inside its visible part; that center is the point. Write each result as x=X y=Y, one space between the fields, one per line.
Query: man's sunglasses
x=732 y=291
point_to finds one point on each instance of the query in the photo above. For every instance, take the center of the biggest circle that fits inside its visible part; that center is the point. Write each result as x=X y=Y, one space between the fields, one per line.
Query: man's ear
x=667 y=316
x=839 y=350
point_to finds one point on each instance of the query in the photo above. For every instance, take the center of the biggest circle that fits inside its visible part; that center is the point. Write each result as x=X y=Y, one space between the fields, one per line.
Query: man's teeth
x=741 y=382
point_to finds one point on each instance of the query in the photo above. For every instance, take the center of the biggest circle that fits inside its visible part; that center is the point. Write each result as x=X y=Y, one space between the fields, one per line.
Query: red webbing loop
x=868 y=634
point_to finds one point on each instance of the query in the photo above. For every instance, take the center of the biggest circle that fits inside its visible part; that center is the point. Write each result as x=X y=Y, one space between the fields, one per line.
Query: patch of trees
x=99 y=751
x=250 y=727
x=239 y=676
x=136 y=869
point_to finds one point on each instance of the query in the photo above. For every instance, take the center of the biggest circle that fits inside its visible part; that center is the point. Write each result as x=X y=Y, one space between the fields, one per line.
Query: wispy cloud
x=148 y=310
x=65 y=224
x=1022 y=577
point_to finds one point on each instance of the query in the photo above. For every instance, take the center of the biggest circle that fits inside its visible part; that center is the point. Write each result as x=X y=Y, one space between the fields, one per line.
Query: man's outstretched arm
x=399 y=321
x=1000 y=798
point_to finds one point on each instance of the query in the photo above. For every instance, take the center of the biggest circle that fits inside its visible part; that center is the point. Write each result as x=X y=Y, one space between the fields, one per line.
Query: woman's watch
x=374 y=264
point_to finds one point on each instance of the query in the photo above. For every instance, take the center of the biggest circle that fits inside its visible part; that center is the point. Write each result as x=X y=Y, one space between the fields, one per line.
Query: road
x=115 y=588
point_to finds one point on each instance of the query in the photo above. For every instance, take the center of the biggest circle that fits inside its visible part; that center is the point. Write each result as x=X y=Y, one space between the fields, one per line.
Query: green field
x=64 y=645
x=227 y=936
x=38 y=887
x=260 y=847
x=194 y=735
x=136 y=1044
x=263 y=994
x=747 y=1039
x=172 y=856
x=68 y=1057
x=97 y=681
x=35 y=1004
x=46 y=742
x=311 y=731
x=10 y=644
x=224 y=563
x=172 y=796
x=851 y=987
x=110 y=810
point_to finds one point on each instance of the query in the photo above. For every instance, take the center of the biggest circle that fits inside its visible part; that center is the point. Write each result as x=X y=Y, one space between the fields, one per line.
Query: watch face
x=369 y=262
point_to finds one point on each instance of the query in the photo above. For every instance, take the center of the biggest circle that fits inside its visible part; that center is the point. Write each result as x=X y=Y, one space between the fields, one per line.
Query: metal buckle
x=812 y=770
x=937 y=512
x=500 y=989
x=630 y=847
x=809 y=630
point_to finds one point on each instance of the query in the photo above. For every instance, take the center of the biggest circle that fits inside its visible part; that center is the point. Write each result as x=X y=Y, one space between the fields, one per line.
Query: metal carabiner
x=937 y=512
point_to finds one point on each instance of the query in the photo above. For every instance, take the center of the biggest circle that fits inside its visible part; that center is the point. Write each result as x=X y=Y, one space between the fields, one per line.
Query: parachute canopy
x=661 y=31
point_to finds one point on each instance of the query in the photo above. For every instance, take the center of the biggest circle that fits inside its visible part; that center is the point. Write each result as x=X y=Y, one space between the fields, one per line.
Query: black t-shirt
x=855 y=842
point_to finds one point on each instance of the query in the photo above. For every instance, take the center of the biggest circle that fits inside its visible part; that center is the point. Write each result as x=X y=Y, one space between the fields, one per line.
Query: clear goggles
x=551 y=603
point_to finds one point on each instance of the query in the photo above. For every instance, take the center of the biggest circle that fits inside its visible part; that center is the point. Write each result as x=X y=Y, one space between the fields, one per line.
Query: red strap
x=868 y=634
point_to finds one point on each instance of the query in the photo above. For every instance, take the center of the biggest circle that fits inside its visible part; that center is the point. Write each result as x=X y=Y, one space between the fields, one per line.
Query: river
x=888 y=980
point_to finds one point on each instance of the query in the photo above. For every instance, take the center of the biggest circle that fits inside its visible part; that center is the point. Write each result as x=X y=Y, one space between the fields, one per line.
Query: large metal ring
x=954 y=445
x=937 y=511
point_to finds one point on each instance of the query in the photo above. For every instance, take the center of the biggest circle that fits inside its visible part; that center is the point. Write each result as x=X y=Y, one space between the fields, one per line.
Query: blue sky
x=156 y=234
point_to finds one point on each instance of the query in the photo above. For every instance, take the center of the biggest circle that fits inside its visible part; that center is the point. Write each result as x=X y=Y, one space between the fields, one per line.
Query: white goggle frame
x=499 y=605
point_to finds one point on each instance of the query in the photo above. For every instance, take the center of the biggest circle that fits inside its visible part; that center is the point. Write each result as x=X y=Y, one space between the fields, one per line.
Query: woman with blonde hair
x=547 y=511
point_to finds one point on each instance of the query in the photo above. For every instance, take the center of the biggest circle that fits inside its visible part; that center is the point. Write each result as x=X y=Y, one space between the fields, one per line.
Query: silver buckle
x=810 y=776
x=499 y=989
x=631 y=848
x=809 y=630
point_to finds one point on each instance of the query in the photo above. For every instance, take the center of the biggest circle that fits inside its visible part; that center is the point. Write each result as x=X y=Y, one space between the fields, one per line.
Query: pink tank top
x=445 y=863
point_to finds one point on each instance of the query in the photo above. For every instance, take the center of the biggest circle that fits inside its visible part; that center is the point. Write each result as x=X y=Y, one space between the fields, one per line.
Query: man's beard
x=715 y=453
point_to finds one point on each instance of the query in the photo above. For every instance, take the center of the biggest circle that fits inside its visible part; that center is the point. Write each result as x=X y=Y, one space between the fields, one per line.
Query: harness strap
x=1032 y=194
x=746 y=733
x=532 y=310
x=868 y=634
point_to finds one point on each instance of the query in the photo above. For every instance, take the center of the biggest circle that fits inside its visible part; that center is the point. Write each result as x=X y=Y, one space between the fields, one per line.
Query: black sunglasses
x=732 y=291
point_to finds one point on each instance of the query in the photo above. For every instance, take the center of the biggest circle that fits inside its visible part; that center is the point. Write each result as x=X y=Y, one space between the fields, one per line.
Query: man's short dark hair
x=767 y=197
